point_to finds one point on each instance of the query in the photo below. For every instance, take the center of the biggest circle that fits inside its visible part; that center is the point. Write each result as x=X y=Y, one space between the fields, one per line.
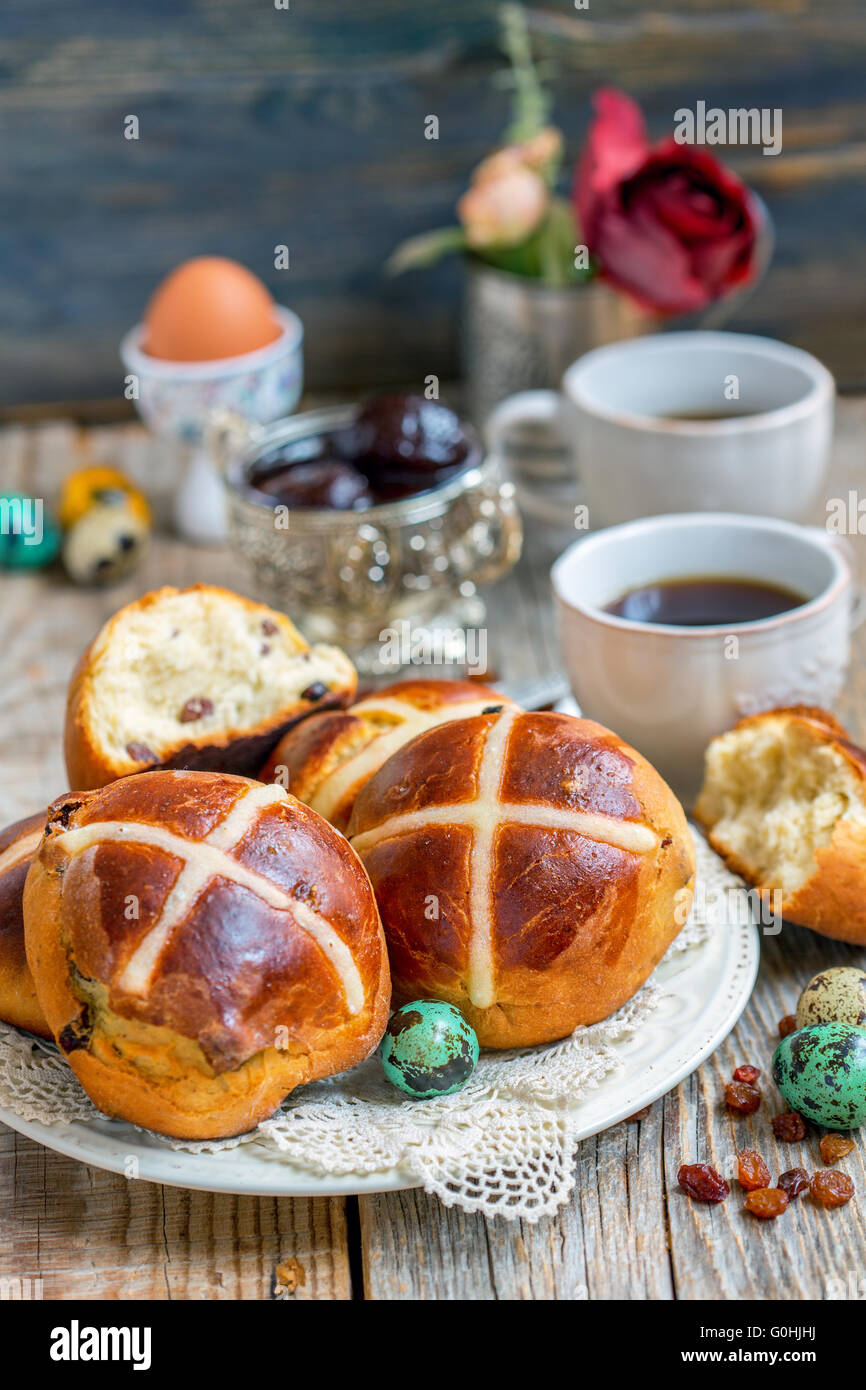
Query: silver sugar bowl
x=355 y=577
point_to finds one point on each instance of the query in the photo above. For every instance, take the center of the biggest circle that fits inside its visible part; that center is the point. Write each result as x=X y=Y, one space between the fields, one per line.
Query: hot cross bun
x=196 y=678
x=326 y=760
x=19 y=1004
x=201 y=944
x=530 y=868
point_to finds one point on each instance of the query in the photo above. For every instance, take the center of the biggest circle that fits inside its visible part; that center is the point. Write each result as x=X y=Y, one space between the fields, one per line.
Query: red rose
x=668 y=224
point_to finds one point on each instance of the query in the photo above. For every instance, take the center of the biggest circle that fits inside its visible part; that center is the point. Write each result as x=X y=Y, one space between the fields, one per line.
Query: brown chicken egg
x=207 y=308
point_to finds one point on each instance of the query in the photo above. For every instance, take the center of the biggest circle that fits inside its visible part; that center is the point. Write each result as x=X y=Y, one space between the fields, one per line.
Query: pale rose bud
x=542 y=149
x=504 y=208
x=498 y=164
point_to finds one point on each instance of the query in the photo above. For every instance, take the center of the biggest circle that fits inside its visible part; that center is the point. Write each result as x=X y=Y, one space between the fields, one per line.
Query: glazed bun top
x=550 y=846
x=428 y=696
x=213 y=906
x=18 y=844
x=539 y=768
x=327 y=759
x=18 y=1002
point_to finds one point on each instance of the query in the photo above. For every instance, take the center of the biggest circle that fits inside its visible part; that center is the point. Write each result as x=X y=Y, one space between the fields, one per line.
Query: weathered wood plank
x=88 y=1234
x=311 y=120
x=723 y=1252
x=609 y=1242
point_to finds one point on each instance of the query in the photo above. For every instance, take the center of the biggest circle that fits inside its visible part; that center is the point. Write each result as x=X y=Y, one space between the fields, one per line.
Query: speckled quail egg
x=105 y=545
x=821 y=1072
x=834 y=996
x=429 y=1049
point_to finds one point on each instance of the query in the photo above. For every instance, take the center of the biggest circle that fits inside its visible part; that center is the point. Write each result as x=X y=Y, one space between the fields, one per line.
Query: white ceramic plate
x=707 y=988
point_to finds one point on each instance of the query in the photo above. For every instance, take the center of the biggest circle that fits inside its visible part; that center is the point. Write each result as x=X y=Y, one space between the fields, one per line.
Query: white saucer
x=707 y=988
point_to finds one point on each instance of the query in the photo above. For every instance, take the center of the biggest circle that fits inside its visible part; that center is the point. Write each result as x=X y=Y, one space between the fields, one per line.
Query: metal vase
x=519 y=334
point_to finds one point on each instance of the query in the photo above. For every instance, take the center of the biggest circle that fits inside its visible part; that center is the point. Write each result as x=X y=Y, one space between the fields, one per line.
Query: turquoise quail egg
x=821 y=1072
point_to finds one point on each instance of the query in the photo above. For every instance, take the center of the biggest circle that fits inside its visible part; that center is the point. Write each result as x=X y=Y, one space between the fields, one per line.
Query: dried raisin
x=795 y=1181
x=787 y=1025
x=196 y=708
x=78 y=1033
x=748 y=1074
x=702 y=1183
x=835 y=1146
x=789 y=1126
x=752 y=1171
x=831 y=1189
x=742 y=1097
x=768 y=1203
x=140 y=753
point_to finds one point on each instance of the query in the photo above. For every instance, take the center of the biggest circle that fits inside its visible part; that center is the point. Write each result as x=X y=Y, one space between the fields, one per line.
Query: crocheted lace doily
x=504 y=1145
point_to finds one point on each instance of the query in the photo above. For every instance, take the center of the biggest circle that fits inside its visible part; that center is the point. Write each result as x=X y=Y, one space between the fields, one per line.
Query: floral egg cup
x=182 y=401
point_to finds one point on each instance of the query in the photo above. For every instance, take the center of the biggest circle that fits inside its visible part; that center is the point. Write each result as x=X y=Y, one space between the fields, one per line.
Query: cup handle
x=533 y=408
x=524 y=408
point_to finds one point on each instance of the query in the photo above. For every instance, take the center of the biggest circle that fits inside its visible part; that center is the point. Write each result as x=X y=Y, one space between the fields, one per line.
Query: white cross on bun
x=196 y=678
x=201 y=944
x=531 y=869
x=326 y=760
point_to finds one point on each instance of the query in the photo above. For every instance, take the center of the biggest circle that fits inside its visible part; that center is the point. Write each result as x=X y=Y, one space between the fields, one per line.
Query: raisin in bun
x=327 y=759
x=19 y=1004
x=194 y=678
x=531 y=869
x=784 y=803
x=201 y=944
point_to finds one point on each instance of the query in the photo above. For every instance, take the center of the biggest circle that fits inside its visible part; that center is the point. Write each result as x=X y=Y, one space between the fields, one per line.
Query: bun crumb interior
x=775 y=789
x=193 y=677
x=197 y=647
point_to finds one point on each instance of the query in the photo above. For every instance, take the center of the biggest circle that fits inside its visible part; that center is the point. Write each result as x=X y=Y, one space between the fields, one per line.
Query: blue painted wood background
x=305 y=126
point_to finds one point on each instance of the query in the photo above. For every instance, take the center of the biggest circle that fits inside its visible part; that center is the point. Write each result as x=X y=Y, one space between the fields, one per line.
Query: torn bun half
x=784 y=804
x=197 y=678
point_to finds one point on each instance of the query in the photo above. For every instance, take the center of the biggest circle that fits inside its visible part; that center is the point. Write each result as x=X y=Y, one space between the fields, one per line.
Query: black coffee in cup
x=704 y=602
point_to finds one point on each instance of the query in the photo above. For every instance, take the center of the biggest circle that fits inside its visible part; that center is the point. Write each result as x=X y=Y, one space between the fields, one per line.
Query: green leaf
x=425 y=249
x=516 y=260
x=548 y=255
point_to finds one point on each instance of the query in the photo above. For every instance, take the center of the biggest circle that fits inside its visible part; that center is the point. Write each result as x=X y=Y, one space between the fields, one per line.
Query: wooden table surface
x=627 y=1232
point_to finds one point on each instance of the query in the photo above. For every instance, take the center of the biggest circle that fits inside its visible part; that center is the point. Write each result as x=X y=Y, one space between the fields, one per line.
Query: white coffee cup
x=667 y=689
x=617 y=415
